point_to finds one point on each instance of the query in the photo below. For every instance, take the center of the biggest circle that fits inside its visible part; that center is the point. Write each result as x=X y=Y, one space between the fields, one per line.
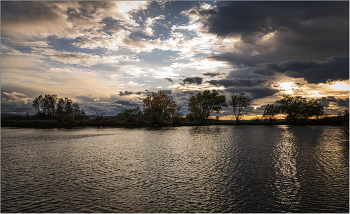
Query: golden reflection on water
x=331 y=156
x=286 y=184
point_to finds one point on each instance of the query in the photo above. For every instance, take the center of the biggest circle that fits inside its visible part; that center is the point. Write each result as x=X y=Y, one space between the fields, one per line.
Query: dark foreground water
x=182 y=169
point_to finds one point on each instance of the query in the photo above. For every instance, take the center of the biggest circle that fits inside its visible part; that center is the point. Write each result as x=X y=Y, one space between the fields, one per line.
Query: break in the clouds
x=112 y=54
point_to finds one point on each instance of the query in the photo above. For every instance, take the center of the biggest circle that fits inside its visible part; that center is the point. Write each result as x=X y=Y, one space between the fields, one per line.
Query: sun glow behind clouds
x=344 y=85
x=287 y=87
x=338 y=89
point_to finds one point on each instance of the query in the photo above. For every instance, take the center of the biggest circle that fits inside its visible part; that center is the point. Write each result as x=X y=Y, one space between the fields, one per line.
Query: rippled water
x=182 y=169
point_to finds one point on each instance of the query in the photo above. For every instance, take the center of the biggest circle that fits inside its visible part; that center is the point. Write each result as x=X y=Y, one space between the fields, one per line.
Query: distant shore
x=27 y=122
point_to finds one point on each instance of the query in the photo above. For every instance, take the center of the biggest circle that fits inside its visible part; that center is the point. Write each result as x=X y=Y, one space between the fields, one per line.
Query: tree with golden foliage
x=160 y=106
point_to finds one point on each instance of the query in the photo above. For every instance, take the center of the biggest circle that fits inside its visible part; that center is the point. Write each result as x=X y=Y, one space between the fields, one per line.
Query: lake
x=177 y=169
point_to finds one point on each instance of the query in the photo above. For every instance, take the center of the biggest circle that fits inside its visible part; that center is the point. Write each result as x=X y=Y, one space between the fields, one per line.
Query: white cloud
x=135 y=84
x=70 y=19
x=131 y=70
x=14 y=96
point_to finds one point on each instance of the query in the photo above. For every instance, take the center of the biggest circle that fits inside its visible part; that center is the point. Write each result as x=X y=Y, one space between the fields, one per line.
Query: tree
x=297 y=108
x=128 y=112
x=68 y=106
x=160 y=106
x=271 y=112
x=38 y=104
x=202 y=105
x=238 y=102
x=131 y=115
x=49 y=105
x=312 y=108
x=60 y=108
x=77 y=112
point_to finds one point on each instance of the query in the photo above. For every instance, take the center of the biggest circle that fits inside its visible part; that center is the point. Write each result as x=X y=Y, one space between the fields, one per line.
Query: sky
x=111 y=55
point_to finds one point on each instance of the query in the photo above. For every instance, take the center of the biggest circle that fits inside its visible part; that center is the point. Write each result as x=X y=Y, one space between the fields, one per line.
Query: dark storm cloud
x=313 y=72
x=16 y=107
x=240 y=60
x=192 y=80
x=301 y=31
x=255 y=93
x=168 y=92
x=236 y=18
x=126 y=103
x=125 y=93
x=189 y=92
x=259 y=18
x=169 y=79
x=238 y=82
x=331 y=100
x=212 y=74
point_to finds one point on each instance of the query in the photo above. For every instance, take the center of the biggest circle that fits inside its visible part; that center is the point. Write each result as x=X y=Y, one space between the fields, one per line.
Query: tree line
x=296 y=109
x=158 y=107
x=52 y=107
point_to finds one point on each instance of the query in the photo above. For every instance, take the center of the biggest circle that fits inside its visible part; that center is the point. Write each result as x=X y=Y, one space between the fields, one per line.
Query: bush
x=68 y=120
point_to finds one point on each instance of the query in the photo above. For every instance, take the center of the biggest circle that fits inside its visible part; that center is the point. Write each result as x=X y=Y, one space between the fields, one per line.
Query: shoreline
x=44 y=124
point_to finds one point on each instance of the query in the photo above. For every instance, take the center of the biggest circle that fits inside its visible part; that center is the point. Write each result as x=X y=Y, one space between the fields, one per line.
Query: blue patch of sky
x=57 y=64
x=106 y=69
x=178 y=6
x=18 y=47
x=11 y=8
x=159 y=57
x=171 y=11
x=67 y=45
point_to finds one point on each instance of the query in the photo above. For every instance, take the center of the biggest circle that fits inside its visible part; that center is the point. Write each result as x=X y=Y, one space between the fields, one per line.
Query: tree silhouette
x=51 y=107
x=270 y=112
x=202 y=105
x=298 y=109
x=238 y=102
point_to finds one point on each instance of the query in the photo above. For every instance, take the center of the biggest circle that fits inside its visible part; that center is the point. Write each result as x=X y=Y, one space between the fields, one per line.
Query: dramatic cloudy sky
x=110 y=55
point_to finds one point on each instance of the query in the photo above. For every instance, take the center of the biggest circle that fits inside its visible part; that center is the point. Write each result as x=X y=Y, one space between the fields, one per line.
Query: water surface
x=181 y=169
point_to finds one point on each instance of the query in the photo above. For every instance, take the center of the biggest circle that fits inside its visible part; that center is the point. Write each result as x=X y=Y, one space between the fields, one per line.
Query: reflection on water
x=286 y=184
x=179 y=169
